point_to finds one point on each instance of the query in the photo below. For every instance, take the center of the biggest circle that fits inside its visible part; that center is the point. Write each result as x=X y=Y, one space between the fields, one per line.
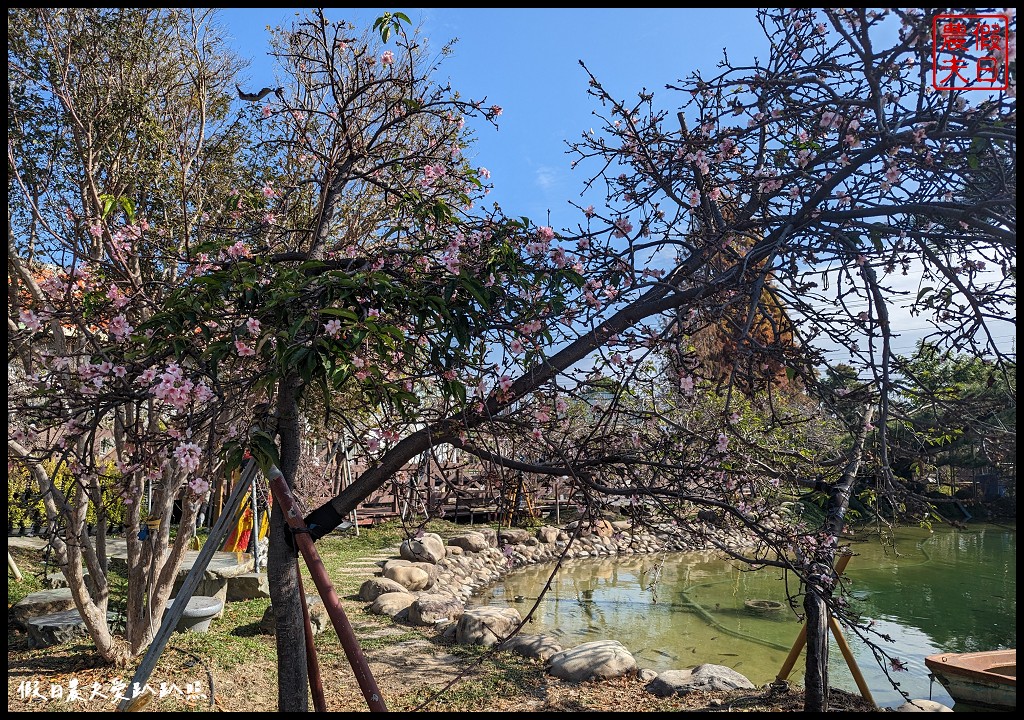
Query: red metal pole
x=339 y=619
x=316 y=683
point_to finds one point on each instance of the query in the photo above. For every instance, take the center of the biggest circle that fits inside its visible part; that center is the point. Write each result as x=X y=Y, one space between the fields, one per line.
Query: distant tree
x=119 y=141
x=958 y=410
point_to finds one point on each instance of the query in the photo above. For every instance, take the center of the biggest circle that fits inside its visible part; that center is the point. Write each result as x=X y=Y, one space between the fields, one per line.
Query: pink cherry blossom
x=243 y=349
x=387 y=57
x=238 y=250
x=252 y=326
x=622 y=227
x=686 y=385
x=505 y=382
x=188 y=456
x=29 y=319
x=119 y=327
x=333 y=327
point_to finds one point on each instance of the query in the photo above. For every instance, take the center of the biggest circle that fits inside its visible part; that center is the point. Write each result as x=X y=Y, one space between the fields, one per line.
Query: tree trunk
x=821 y=576
x=816 y=671
x=283 y=569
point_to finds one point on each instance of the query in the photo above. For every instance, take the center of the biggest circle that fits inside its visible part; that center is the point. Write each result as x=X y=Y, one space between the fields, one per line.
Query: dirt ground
x=412 y=675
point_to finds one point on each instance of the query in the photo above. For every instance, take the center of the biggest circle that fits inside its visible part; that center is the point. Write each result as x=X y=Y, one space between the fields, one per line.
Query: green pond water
x=942 y=591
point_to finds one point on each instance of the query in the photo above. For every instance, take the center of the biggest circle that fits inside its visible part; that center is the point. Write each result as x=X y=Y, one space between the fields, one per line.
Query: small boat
x=978 y=678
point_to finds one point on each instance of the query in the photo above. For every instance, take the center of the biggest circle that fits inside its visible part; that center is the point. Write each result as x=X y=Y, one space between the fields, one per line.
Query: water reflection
x=951 y=591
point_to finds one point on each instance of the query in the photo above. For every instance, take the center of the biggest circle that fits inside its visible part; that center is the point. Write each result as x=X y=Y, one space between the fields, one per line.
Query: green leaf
x=128 y=208
x=476 y=289
x=340 y=312
x=264 y=449
x=458 y=390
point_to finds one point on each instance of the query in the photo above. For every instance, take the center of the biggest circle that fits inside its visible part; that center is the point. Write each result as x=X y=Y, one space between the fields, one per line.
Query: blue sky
x=527 y=61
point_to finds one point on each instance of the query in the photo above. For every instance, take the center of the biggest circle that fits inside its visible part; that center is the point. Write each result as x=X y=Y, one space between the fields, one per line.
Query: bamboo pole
x=851 y=662
x=13 y=566
x=844 y=647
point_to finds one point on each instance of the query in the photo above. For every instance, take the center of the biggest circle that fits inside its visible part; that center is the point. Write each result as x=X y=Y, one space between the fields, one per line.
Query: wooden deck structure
x=457 y=488
x=467 y=496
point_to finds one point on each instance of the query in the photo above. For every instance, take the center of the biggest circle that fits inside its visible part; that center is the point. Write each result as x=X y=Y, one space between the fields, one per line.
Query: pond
x=942 y=591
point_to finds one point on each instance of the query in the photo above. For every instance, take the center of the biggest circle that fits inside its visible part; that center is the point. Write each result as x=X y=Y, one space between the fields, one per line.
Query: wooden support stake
x=844 y=647
x=13 y=566
x=316 y=683
x=347 y=636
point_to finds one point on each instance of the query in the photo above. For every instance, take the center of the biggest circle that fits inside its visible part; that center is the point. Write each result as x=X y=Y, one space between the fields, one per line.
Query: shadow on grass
x=248 y=630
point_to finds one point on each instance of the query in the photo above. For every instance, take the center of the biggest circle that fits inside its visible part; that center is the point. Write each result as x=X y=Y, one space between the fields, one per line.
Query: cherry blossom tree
x=119 y=141
x=353 y=271
x=813 y=182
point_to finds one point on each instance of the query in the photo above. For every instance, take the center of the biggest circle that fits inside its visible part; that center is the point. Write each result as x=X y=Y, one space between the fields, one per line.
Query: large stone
x=427 y=548
x=43 y=602
x=486 y=625
x=432 y=571
x=375 y=587
x=512 y=536
x=490 y=534
x=470 y=542
x=411 y=578
x=435 y=609
x=248 y=587
x=547 y=534
x=538 y=647
x=702 y=677
x=923 y=706
x=394 y=562
x=318 y=617
x=57 y=628
x=391 y=603
x=597 y=660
